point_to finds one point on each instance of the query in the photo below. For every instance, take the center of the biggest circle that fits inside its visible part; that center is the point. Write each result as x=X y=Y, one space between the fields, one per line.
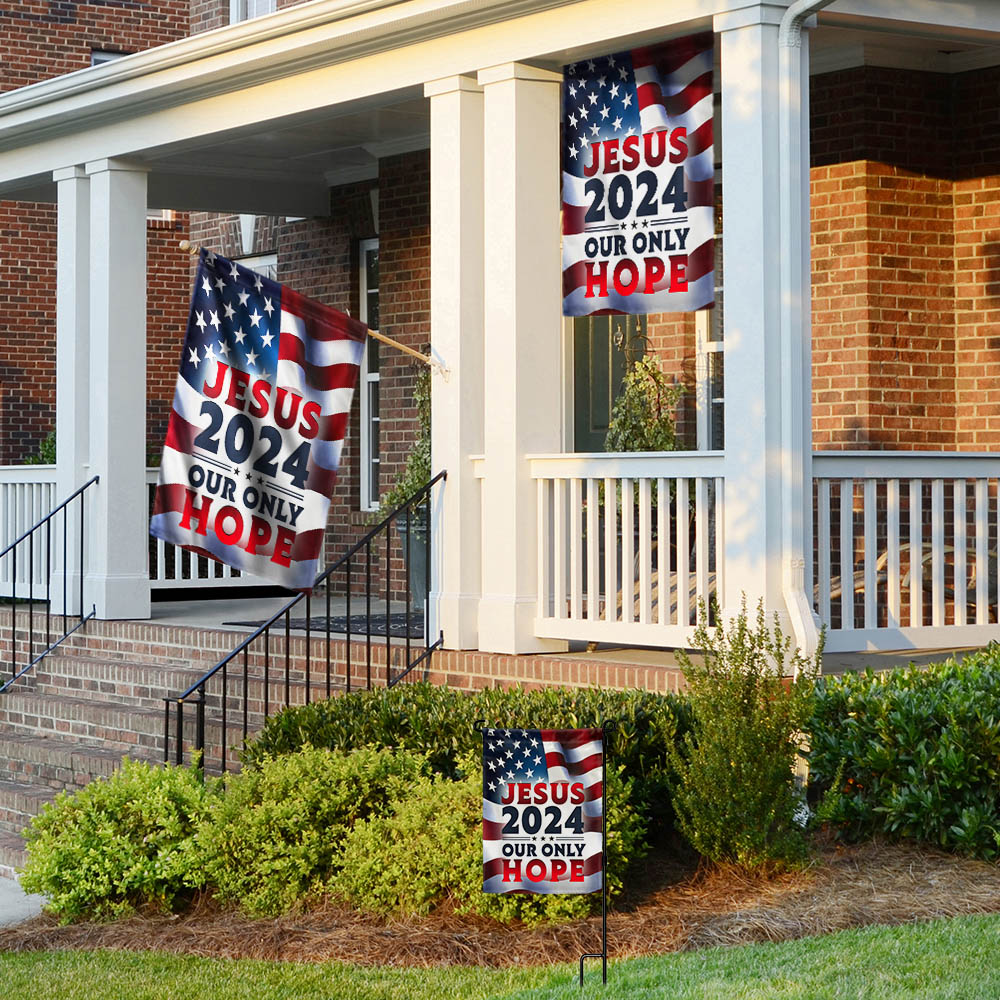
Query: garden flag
x=638 y=180
x=258 y=421
x=543 y=799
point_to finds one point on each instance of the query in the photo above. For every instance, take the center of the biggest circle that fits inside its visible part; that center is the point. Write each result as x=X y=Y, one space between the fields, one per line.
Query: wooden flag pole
x=436 y=365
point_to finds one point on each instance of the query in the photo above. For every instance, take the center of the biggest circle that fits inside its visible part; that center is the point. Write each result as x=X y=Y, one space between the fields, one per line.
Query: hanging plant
x=643 y=415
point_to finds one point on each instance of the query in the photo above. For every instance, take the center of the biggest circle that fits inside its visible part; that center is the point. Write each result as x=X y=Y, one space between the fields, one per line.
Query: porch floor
x=219 y=614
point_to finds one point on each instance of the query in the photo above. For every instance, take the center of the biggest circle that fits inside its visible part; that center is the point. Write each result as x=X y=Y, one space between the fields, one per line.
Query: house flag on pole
x=258 y=421
x=638 y=180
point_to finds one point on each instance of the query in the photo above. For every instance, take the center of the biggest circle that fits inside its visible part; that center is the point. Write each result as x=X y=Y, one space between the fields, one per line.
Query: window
x=265 y=264
x=244 y=10
x=99 y=56
x=370 y=489
x=710 y=365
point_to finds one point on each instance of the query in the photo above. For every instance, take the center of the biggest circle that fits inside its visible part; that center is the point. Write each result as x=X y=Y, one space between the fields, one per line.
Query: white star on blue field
x=599 y=103
x=234 y=319
x=511 y=755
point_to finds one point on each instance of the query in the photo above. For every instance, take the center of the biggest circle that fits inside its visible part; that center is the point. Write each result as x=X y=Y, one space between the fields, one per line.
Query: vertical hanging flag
x=543 y=801
x=638 y=180
x=258 y=421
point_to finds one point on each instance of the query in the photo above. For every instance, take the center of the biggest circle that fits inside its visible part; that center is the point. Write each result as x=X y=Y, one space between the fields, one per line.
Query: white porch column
x=796 y=322
x=523 y=374
x=750 y=197
x=72 y=372
x=457 y=341
x=118 y=521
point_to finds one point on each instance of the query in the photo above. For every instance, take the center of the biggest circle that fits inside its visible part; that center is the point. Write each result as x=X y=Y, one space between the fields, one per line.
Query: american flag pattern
x=635 y=93
x=559 y=774
x=294 y=363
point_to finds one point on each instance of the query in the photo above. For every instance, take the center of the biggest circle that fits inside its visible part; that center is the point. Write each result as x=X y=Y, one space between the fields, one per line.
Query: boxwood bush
x=119 y=842
x=917 y=751
x=274 y=840
x=428 y=850
x=439 y=722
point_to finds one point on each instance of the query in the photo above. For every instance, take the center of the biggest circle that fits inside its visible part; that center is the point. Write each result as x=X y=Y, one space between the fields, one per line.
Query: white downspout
x=796 y=349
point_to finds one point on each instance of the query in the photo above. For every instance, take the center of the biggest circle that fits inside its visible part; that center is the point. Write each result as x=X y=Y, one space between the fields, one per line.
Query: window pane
x=246 y=9
x=373 y=442
x=372 y=313
x=371 y=270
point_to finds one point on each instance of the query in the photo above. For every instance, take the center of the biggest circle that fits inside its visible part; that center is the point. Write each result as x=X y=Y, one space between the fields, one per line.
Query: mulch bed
x=683 y=909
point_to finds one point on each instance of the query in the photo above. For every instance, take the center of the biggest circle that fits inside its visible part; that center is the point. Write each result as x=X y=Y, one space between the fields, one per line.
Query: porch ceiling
x=267 y=115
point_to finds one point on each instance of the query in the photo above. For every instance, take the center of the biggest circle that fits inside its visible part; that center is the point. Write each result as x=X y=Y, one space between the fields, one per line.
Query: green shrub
x=440 y=723
x=737 y=799
x=275 y=838
x=428 y=850
x=118 y=842
x=431 y=720
x=918 y=751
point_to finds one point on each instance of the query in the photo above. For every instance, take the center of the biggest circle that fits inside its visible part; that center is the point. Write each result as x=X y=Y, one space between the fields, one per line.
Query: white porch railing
x=628 y=544
x=905 y=552
x=28 y=493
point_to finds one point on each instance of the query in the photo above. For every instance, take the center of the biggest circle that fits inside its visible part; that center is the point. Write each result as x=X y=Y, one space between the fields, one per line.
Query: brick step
x=146 y=685
x=19 y=802
x=122 y=682
x=54 y=762
x=12 y=853
x=173 y=645
x=118 y=728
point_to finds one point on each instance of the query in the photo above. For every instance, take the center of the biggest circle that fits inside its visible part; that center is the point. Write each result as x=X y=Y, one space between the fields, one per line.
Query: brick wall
x=167 y=300
x=977 y=260
x=404 y=299
x=904 y=188
x=43 y=40
x=208 y=14
x=27 y=327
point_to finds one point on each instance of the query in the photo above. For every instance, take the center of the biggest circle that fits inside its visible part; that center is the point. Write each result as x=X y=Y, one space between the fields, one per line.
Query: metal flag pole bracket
x=432 y=362
x=606 y=726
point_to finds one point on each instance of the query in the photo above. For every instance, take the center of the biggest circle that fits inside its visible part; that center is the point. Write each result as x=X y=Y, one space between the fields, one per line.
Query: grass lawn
x=944 y=960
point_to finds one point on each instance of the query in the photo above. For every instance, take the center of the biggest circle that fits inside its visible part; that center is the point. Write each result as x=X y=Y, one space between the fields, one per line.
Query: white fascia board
x=973 y=20
x=298 y=41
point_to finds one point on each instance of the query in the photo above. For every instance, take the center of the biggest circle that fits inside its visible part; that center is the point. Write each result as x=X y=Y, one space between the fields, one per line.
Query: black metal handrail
x=198 y=691
x=17 y=669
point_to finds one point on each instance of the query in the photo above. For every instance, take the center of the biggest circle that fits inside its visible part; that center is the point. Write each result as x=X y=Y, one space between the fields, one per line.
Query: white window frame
x=240 y=10
x=707 y=322
x=367 y=378
x=263 y=263
x=99 y=57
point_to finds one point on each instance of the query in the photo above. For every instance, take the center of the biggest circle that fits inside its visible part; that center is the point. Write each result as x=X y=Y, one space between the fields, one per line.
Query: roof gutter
x=796 y=350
